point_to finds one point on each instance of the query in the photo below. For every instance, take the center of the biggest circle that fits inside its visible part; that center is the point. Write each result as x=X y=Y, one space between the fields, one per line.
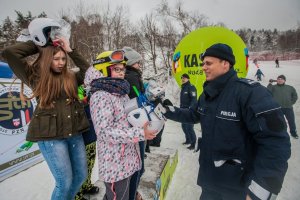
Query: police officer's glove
x=197 y=145
x=167 y=102
x=168 y=105
x=157 y=101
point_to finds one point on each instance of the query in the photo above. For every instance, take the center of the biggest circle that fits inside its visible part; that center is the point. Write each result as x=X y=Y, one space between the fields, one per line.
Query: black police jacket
x=188 y=95
x=244 y=145
x=134 y=77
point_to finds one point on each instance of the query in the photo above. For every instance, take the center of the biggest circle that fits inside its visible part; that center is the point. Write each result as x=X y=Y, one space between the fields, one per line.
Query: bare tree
x=188 y=21
x=149 y=30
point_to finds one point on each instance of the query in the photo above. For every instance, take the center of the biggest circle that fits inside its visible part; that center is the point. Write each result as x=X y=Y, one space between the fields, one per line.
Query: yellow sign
x=186 y=58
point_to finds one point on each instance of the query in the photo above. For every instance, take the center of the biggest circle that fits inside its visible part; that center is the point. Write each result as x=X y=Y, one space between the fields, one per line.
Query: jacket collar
x=185 y=84
x=213 y=88
x=132 y=70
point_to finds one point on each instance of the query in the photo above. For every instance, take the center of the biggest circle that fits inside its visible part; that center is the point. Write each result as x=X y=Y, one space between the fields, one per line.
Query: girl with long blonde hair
x=59 y=118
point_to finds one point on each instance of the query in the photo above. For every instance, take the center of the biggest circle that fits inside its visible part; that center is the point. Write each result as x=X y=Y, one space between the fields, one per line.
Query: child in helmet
x=259 y=74
x=59 y=118
x=117 y=141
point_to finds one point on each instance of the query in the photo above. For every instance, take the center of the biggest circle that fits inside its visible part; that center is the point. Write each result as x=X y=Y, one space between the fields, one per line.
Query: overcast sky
x=235 y=14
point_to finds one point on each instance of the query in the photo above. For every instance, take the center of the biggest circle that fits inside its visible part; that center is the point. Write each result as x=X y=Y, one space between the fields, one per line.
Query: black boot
x=185 y=143
x=295 y=135
x=93 y=190
x=192 y=147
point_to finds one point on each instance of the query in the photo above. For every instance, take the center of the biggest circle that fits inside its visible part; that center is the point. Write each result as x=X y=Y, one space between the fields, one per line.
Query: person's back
x=259 y=74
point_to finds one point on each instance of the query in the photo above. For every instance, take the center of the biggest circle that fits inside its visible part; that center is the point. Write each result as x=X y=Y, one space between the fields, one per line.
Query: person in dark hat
x=188 y=98
x=286 y=96
x=244 y=146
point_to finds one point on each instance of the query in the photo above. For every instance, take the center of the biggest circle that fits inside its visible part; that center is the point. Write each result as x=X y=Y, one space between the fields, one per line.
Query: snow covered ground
x=37 y=183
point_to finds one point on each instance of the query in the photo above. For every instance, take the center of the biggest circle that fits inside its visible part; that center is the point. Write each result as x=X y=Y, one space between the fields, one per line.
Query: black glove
x=167 y=102
x=157 y=101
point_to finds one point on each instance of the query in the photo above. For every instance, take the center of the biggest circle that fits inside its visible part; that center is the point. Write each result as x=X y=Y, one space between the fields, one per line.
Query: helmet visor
x=115 y=57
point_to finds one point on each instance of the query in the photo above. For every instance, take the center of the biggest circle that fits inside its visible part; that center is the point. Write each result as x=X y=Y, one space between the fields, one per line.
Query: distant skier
x=258 y=74
x=277 y=63
x=255 y=62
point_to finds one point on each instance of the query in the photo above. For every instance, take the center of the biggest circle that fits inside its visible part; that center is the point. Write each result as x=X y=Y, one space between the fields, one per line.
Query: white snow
x=37 y=183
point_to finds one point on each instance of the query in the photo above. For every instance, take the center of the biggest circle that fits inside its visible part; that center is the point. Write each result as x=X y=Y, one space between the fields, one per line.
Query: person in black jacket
x=89 y=138
x=134 y=77
x=277 y=63
x=244 y=147
x=188 y=98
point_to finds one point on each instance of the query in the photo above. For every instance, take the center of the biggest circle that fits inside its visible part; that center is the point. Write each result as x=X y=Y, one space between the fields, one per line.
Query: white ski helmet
x=140 y=116
x=40 y=28
x=131 y=105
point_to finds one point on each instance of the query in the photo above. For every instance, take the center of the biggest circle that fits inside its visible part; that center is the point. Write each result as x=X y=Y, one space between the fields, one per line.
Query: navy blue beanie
x=185 y=76
x=221 y=51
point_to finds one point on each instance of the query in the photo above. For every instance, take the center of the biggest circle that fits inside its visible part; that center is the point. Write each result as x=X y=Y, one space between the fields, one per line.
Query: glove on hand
x=271 y=81
x=167 y=102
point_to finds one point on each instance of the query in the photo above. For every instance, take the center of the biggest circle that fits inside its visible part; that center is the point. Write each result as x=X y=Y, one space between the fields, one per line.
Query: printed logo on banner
x=15 y=115
x=16 y=122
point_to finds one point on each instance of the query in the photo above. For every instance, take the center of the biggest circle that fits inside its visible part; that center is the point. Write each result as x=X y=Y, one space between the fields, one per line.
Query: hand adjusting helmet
x=40 y=29
x=106 y=59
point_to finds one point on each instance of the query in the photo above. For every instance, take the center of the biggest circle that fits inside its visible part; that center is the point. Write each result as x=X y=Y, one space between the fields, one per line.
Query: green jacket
x=63 y=120
x=285 y=95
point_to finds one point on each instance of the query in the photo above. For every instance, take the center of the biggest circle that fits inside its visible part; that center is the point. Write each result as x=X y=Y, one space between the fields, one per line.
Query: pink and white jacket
x=117 y=141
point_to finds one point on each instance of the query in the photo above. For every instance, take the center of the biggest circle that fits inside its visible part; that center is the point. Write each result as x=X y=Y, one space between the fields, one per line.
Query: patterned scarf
x=111 y=85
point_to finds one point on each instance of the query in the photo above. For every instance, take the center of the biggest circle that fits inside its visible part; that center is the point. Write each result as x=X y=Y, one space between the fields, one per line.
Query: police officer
x=188 y=98
x=244 y=146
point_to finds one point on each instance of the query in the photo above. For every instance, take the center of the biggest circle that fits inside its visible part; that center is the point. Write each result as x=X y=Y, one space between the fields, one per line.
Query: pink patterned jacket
x=117 y=142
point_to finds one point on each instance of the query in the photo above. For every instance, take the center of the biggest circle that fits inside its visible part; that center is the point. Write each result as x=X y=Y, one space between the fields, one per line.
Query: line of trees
x=155 y=35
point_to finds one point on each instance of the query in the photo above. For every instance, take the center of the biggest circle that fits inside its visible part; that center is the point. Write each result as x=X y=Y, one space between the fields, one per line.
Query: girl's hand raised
x=63 y=43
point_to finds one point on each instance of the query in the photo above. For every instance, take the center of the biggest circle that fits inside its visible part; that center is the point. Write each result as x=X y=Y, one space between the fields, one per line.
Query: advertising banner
x=16 y=154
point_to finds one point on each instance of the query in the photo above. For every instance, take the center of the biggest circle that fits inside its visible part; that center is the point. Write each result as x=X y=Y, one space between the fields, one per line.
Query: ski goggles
x=115 y=57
